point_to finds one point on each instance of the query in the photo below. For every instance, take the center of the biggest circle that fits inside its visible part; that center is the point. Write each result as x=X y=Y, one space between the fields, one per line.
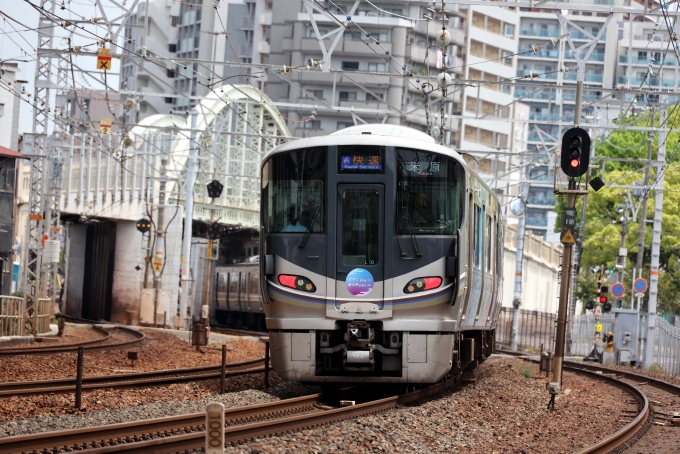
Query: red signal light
x=297 y=282
x=603 y=299
x=574 y=163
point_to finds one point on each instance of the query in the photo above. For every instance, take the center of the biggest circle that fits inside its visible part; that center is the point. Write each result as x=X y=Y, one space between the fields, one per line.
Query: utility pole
x=623 y=251
x=519 y=260
x=656 y=245
x=160 y=235
x=188 y=217
x=643 y=215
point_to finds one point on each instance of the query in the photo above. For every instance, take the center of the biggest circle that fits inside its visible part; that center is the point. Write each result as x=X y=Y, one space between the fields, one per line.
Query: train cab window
x=293 y=192
x=429 y=193
x=360 y=227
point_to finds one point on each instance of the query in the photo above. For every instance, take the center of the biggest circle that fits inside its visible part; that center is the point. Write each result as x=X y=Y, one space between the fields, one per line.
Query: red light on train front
x=422 y=284
x=297 y=282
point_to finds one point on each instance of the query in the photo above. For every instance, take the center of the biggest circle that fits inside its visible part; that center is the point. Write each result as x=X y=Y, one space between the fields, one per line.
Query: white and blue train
x=380 y=258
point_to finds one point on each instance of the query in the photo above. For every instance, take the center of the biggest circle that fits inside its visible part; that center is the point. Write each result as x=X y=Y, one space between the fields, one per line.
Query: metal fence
x=537 y=329
x=12 y=311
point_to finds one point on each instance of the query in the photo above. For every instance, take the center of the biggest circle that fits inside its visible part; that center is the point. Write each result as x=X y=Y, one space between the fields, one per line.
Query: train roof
x=371 y=134
x=377 y=134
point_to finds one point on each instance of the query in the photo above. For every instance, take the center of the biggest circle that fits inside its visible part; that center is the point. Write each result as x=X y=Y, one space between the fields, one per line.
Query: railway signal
x=143 y=225
x=575 y=156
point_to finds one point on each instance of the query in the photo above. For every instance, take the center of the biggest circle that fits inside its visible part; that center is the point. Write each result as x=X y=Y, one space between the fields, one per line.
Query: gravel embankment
x=159 y=351
x=503 y=412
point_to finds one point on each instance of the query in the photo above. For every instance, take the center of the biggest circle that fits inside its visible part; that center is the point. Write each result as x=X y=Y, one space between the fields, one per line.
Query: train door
x=475 y=274
x=360 y=251
x=488 y=271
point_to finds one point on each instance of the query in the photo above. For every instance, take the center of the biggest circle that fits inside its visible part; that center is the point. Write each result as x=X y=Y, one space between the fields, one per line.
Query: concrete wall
x=127 y=281
x=540 y=273
x=76 y=235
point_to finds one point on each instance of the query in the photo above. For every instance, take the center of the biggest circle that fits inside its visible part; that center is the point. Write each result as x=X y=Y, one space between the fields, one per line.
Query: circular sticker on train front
x=359 y=282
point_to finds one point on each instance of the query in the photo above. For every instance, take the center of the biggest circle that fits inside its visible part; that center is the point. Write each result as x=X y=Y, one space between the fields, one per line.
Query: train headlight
x=297 y=282
x=422 y=284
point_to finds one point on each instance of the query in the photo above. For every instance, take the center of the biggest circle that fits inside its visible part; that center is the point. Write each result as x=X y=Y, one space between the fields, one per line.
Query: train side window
x=489 y=245
x=477 y=243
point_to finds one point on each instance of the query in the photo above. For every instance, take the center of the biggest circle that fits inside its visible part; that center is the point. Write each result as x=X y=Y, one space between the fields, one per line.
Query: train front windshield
x=429 y=190
x=429 y=193
x=293 y=192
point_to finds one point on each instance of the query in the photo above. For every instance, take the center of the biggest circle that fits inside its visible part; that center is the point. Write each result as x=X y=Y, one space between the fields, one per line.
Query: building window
x=344 y=124
x=642 y=55
x=348 y=96
x=314 y=124
x=350 y=65
x=509 y=30
x=656 y=56
x=507 y=58
x=377 y=67
x=314 y=93
x=370 y=97
x=312 y=33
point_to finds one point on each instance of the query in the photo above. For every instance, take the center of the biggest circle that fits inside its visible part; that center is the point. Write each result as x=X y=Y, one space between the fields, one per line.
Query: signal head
x=603 y=299
x=575 y=154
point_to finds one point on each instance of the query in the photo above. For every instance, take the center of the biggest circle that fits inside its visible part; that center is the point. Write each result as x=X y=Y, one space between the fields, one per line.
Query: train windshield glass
x=429 y=193
x=293 y=192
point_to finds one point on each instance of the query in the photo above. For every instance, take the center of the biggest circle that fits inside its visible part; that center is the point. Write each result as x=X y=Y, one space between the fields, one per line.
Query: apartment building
x=9 y=105
x=646 y=59
x=193 y=35
x=551 y=105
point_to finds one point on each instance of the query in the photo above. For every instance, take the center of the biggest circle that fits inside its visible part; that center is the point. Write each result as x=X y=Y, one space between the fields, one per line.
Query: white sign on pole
x=598 y=310
x=214 y=428
x=639 y=295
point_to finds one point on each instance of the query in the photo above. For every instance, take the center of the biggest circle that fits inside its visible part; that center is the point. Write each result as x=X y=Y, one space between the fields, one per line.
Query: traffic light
x=575 y=155
x=603 y=299
x=590 y=305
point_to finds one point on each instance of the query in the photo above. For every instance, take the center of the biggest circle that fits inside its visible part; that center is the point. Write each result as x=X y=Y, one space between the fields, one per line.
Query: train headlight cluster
x=423 y=283
x=297 y=282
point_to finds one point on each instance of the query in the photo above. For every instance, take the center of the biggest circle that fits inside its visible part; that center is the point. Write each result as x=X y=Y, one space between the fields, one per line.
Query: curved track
x=180 y=433
x=135 y=380
x=636 y=429
x=97 y=344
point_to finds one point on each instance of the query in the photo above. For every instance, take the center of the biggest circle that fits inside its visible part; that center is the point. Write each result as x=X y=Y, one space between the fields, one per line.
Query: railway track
x=132 y=380
x=186 y=433
x=644 y=423
x=92 y=345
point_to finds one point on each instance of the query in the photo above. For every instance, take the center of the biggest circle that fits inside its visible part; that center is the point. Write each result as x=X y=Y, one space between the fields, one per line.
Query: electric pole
x=158 y=257
x=656 y=245
x=643 y=215
x=519 y=258
x=184 y=301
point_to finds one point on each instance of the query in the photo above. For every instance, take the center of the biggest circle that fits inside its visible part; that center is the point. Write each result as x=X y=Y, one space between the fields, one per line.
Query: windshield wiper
x=406 y=215
x=303 y=242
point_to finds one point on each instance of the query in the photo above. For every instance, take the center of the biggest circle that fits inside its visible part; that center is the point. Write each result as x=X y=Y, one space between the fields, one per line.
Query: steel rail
x=141 y=379
x=124 y=431
x=160 y=381
x=160 y=435
x=93 y=345
x=637 y=426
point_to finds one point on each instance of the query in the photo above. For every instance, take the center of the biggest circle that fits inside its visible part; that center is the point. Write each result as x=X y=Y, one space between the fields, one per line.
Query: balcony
x=540 y=74
x=593 y=57
x=580 y=35
x=545 y=116
x=586 y=78
x=548 y=33
x=544 y=95
x=546 y=201
x=537 y=222
x=653 y=81
x=543 y=53
x=646 y=61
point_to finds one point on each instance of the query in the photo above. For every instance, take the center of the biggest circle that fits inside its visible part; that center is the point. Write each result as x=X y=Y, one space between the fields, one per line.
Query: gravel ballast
x=503 y=412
